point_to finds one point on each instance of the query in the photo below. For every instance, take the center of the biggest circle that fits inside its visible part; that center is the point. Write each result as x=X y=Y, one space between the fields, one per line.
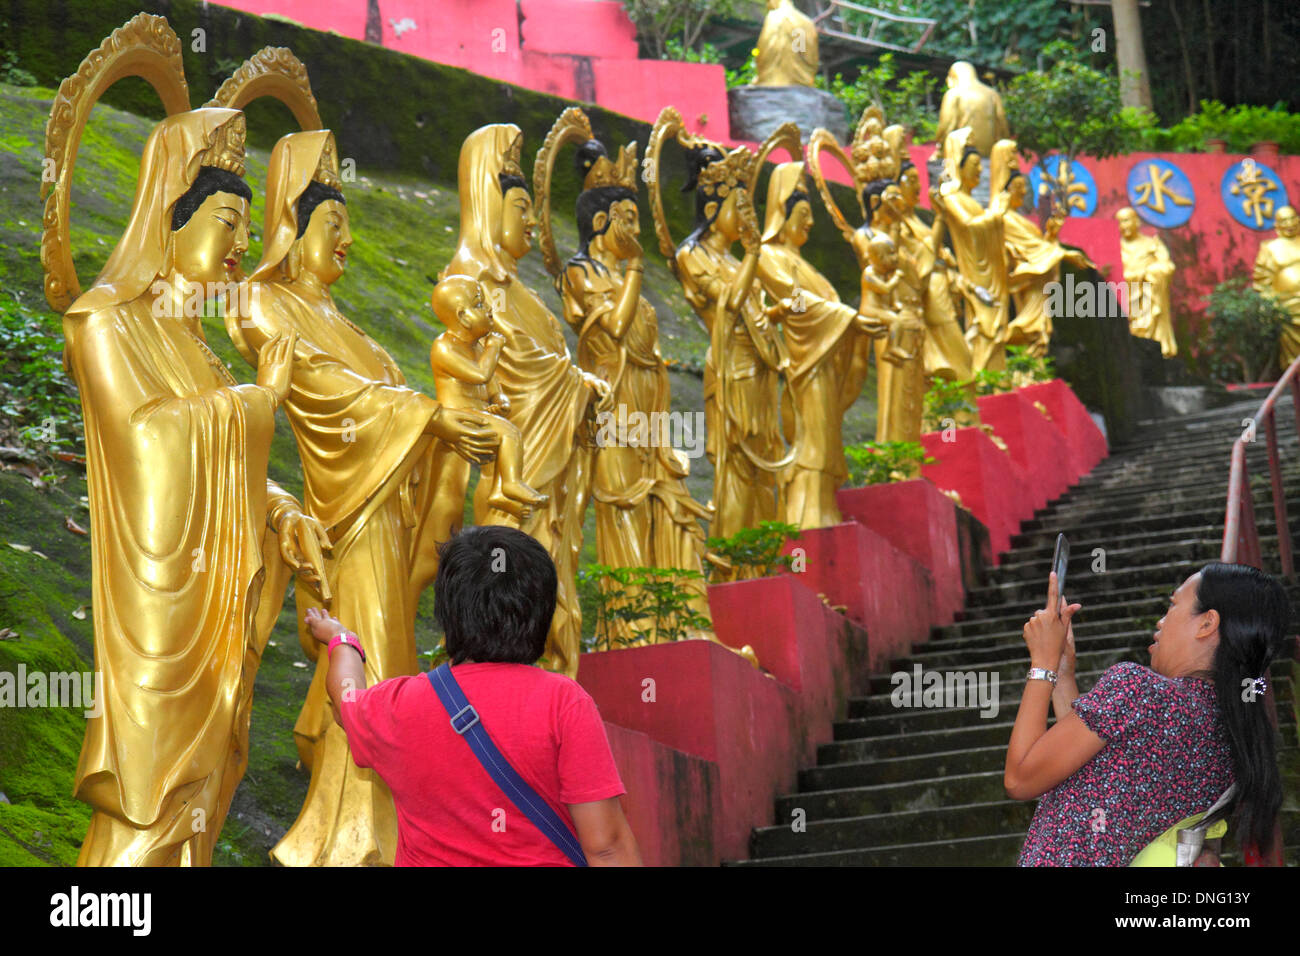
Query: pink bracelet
x=348 y=638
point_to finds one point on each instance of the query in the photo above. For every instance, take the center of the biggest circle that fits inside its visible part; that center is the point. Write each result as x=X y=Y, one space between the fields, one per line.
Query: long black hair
x=1254 y=617
x=873 y=195
x=315 y=194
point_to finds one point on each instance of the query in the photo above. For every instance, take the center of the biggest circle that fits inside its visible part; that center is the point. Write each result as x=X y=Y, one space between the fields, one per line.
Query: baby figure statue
x=464 y=359
x=880 y=289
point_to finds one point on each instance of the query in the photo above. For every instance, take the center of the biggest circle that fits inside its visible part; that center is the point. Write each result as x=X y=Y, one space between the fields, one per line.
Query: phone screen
x=1060 y=560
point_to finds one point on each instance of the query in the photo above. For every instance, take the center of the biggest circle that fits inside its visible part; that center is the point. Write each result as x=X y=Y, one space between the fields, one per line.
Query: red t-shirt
x=449 y=810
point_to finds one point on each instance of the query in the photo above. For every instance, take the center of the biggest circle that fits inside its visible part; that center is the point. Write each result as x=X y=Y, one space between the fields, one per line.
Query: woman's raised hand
x=1046 y=632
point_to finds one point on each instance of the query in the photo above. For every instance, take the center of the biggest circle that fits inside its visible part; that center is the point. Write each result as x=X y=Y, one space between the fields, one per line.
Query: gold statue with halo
x=746 y=357
x=645 y=517
x=1035 y=255
x=552 y=401
x=191 y=544
x=818 y=337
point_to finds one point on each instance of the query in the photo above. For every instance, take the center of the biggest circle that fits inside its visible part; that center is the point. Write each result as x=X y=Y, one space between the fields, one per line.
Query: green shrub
x=880 y=462
x=755 y=552
x=633 y=605
x=947 y=400
x=1240 y=126
x=902 y=99
x=1239 y=342
x=39 y=407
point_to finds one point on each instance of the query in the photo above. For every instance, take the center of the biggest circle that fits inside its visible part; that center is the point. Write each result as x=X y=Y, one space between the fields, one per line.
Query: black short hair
x=1011 y=179
x=966 y=152
x=904 y=166
x=211 y=179
x=315 y=194
x=494 y=596
x=509 y=181
x=592 y=201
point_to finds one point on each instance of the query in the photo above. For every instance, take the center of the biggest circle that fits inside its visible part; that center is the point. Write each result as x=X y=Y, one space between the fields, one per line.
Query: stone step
x=883 y=746
x=972 y=851
x=981 y=787
x=857 y=833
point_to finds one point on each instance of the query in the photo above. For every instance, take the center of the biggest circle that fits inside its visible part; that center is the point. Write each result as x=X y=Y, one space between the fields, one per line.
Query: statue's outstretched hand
x=467 y=432
x=303 y=542
x=275 y=365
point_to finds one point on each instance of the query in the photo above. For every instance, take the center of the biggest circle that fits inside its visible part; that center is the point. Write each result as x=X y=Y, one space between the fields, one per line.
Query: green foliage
x=1025 y=366
x=38 y=403
x=1239 y=342
x=1239 y=126
x=756 y=552
x=635 y=605
x=1005 y=35
x=903 y=100
x=1071 y=109
x=661 y=23
x=10 y=71
x=748 y=72
x=880 y=462
x=947 y=400
x=704 y=53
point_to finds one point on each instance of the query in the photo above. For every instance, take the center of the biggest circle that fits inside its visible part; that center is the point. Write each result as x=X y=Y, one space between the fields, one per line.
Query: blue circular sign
x=1160 y=193
x=1252 y=194
x=1075 y=181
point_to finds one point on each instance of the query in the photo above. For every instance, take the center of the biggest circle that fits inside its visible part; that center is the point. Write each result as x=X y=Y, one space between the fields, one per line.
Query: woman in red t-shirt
x=1148 y=747
x=494 y=597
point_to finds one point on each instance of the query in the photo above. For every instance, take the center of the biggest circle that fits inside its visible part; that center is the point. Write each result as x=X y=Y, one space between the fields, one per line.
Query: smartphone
x=1059 y=562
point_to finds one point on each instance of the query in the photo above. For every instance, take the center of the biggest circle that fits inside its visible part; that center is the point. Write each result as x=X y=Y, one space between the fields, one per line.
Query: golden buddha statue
x=362 y=437
x=742 y=366
x=1034 y=255
x=817 y=329
x=876 y=161
x=1147 y=263
x=979 y=239
x=1277 y=274
x=551 y=399
x=191 y=544
x=645 y=517
x=787 y=47
x=969 y=103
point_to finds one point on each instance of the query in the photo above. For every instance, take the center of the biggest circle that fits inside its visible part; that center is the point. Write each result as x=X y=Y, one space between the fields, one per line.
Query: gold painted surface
x=1147 y=263
x=187 y=571
x=551 y=398
x=1277 y=274
x=787 y=47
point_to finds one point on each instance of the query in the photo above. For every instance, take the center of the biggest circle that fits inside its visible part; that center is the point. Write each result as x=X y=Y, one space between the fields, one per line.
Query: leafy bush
x=1240 y=126
x=634 y=605
x=10 y=71
x=1239 y=342
x=903 y=100
x=880 y=462
x=947 y=400
x=747 y=72
x=706 y=53
x=38 y=402
x=755 y=552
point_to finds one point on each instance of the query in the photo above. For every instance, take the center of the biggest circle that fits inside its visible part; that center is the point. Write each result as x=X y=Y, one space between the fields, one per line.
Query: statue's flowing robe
x=1146 y=261
x=186 y=578
x=361 y=436
x=817 y=328
x=1039 y=260
x=946 y=352
x=978 y=239
x=645 y=517
x=743 y=493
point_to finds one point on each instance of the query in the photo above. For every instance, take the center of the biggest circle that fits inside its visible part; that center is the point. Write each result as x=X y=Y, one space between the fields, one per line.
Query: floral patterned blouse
x=1166 y=757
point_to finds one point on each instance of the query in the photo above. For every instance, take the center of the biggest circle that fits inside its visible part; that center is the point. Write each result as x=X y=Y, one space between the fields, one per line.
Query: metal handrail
x=1240 y=532
x=835 y=12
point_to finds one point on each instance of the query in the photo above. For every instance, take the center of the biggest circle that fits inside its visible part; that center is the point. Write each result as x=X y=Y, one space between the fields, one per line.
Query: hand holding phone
x=1060 y=561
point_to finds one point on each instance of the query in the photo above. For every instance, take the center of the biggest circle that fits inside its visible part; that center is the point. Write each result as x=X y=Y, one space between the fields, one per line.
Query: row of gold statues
x=193 y=545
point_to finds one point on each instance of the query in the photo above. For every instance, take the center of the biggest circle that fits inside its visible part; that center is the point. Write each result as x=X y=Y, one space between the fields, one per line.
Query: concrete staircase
x=923 y=787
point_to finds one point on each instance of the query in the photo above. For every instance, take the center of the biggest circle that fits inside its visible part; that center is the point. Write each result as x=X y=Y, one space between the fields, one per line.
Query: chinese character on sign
x=1072 y=180
x=1160 y=193
x=1253 y=193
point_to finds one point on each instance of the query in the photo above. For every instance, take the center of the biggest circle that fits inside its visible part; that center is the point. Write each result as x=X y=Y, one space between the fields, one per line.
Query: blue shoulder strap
x=465 y=721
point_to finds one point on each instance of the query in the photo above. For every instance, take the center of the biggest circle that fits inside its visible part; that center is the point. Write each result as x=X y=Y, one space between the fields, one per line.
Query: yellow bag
x=1181 y=844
